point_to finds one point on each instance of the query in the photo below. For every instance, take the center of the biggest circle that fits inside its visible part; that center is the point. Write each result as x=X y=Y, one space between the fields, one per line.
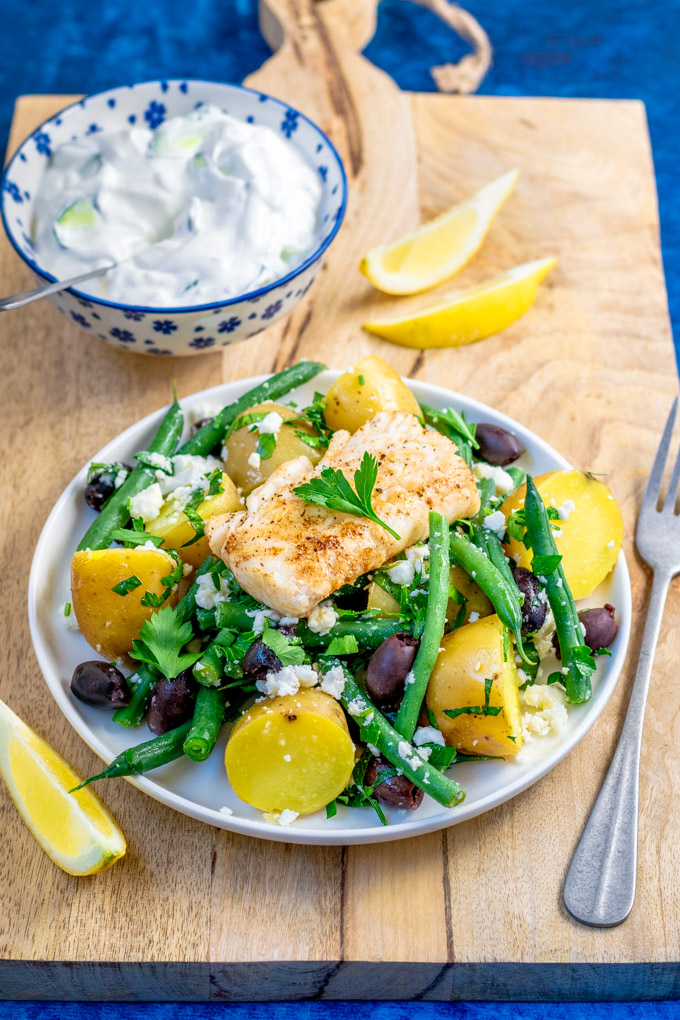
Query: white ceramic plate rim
x=438 y=396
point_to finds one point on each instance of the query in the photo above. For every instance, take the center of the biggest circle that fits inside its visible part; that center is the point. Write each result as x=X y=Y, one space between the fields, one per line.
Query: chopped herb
x=215 y=486
x=126 y=586
x=455 y=427
x=131 y=537
x=314 y=416
x=150 y=598
x=485 y=709
x=67 y=608
x=541 y=566
x=361 y=380
x=161 y=641
x=266 y=445
x=331 y=809
x=357 y=794
x=283 y=648
x=441 y=757
x=333 y=491
x=345 y=645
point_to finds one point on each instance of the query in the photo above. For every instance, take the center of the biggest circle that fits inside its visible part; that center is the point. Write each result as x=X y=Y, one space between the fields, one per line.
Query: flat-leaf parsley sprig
x=161 y=641
x=333 y=491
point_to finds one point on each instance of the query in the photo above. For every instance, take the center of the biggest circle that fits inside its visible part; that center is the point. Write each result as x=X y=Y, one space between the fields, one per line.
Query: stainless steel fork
x=600 y=884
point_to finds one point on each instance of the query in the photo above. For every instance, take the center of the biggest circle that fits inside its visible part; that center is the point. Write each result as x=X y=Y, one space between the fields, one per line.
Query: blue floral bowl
x=173 y=331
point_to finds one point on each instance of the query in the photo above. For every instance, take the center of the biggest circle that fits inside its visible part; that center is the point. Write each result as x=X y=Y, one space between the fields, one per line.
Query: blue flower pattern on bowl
x=151 y=103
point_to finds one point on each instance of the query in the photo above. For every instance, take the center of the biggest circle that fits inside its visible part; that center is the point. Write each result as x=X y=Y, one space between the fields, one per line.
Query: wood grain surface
x=474 y=911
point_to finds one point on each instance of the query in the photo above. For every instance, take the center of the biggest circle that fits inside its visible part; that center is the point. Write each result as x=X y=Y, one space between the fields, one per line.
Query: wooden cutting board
x=473 y=912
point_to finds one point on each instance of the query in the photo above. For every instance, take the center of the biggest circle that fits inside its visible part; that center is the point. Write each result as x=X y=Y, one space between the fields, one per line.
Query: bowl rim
x=185 y=309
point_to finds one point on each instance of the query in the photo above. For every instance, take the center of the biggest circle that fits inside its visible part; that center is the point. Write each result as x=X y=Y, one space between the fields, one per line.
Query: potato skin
x=468 y=657
x=310 y=728
x=94 y=574
x=351 y=403
x=587 y=556
x=242 y=443
x=174 y=528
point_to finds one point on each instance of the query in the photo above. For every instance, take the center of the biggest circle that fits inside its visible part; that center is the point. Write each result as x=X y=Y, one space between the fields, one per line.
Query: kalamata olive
x=388 y=668
x=100 y=684
x=600 y=628
x=172 y=703
x=533 y=611
x=199 y=425
x=101 y=484
x=260 y=659
x=497 y=445
x=397 y=791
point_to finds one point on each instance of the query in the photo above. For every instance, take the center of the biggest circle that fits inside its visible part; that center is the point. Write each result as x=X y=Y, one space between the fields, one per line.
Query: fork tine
x=672 y=494
x=651 y=496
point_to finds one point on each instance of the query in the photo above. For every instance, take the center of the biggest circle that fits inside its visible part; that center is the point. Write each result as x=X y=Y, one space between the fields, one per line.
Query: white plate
x=200 y=790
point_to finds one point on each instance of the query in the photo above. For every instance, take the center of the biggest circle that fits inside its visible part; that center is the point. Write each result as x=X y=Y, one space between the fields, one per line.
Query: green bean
x=135 y=710
x=490 y=543
x=144 y=757
x=377 y=731
x=209 y=668
x=133 y=713
x=208 y=717
x=504 y=596
x=435 y=621
x=370 y=633
x=116 y=514
x=212 y=433
x=576 y=656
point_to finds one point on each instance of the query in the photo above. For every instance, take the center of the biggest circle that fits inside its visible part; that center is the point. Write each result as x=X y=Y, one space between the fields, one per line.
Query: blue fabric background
x=603 y=48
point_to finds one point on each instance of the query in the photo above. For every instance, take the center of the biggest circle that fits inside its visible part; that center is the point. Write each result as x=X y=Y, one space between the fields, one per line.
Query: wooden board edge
x=23 y=980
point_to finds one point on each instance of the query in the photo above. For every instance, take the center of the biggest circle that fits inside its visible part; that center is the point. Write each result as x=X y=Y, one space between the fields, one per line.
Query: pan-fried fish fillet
x=291 y=555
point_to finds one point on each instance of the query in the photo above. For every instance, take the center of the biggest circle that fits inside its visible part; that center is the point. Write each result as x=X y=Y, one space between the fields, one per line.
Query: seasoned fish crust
x=292 y=555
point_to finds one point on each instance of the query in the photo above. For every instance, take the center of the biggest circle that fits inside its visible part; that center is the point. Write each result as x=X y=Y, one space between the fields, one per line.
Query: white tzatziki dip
x=203 y=208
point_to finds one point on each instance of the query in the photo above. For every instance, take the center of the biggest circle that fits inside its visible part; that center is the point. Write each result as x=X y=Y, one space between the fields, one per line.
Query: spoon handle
x=18 y=300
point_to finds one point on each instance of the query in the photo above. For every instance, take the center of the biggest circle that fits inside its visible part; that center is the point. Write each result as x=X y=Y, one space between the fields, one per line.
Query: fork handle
x=600 y=885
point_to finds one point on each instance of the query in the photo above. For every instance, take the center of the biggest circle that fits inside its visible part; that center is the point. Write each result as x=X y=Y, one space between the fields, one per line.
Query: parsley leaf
x=161 y=641
x=288 y=653
x=541 y=566
x=126 y=586
x=333 y=491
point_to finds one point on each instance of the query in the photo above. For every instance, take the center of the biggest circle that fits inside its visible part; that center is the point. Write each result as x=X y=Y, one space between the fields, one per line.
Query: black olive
x=397 y=791
x=101 y=484
x=600 y=628
x=497 y=445
x=172 y=703
x=100 y=684
x=533 y=611
x=259 y=660
x=388 y=668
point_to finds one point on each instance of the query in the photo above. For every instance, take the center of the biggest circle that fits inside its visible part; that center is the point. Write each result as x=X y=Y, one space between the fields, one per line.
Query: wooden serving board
x=196 y=913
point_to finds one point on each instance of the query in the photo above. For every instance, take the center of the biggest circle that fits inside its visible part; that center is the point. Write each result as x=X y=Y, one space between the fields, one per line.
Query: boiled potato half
x=589 y=540
x=110 y=622
x=174 y=527
x=468 y=657
x=477 y=602
x=292 y=752
x=242 y=444
x=370 y=387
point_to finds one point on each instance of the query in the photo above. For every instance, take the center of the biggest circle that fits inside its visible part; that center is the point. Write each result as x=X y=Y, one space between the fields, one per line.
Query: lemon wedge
x=439 y=248
x=75 y=830
x=468 y=315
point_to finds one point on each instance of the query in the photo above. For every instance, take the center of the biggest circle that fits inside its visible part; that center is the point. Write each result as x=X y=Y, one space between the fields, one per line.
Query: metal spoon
x=18 y=300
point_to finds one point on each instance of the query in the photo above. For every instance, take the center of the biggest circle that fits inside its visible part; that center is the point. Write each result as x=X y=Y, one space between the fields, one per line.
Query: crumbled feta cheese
x=473 y=617
x=254 y=460
x=559 y=582
x=207 y=595
x=543 y=639
x=428 y=735
x=410 y=678
x=402 y=572
x=186 y=569
x=611 y=544
x=271 y=423
x=501 y=479
x=557 y=533
x=147 y=503
x=333 y=682
x=287 y=680
x=287 y=757
x=549 y=709
x=418 y=556
x=307 y=675
x=161 y=462
x=120 y=478
x=408 y=755
x=287 y=816
x=522 y=675
x=226 y=811
x=70 y=621
x=374 y=750
x=495 y=522
x=190 y=472
x=321 y=619
x=356 y=707
x=259 y=616
x=203 y=410
x=567 y=508
x=288 y=621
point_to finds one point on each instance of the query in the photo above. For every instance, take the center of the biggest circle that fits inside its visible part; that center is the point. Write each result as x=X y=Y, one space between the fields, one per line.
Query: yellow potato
x=471 y=655
x=310 y=729
x=174 y=528
x=242 y=444
x=370 y=387
x=591 y=537
x=477 y=602
x=108 y=621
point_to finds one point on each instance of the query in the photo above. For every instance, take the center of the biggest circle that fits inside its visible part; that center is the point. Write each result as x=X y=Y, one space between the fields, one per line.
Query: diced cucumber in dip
x=204 y=208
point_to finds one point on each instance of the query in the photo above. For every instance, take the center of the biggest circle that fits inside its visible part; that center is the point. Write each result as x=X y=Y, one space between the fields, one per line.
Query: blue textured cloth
x=602 y=48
